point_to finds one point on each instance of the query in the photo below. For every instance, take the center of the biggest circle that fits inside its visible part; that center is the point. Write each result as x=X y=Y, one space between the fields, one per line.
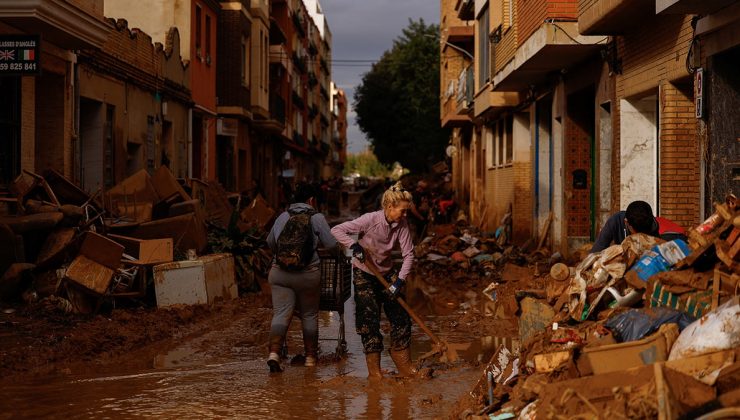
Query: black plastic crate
x=336 y=281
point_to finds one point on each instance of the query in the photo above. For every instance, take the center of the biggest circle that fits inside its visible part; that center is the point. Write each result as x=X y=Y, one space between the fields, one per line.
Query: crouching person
x=379 y=232
x=295 y=276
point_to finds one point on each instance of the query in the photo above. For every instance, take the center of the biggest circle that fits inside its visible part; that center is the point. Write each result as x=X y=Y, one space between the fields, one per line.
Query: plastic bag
x=715 y=331
x=637 y=324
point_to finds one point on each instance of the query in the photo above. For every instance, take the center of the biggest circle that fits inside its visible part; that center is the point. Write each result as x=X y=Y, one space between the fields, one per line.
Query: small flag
x=28 y=55
x=6 y=55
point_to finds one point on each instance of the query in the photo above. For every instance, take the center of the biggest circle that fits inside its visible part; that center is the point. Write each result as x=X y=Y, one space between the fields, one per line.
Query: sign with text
x=19 y=55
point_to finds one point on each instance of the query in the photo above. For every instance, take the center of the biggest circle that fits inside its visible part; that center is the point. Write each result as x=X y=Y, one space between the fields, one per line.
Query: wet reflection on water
x=215 y=377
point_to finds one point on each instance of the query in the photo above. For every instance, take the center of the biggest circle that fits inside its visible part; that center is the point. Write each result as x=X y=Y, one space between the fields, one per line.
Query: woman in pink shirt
x=378 y=234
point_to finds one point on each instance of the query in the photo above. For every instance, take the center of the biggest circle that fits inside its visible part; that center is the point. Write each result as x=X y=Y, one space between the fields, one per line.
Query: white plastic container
x=195 y=282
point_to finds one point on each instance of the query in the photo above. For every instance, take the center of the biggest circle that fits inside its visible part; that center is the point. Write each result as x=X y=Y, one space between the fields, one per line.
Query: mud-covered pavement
x=210 y=362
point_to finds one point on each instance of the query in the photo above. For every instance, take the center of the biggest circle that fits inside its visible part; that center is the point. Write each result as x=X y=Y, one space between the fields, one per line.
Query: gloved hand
x=358 y=252
x=396 y=287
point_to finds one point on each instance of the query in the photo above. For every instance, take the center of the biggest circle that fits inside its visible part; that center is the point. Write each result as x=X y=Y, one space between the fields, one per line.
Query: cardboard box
x=624 y=394
x=186 y=231
x=90 y=274
x=147 y=251
x=616 y=357
x=95 y=264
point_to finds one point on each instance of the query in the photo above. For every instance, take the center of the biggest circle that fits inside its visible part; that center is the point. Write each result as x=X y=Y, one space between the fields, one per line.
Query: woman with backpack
x=378 y=233
x=295 y=275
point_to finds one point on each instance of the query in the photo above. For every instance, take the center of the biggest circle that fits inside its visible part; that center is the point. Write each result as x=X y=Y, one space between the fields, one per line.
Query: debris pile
x=644 y=328
x=76 y=251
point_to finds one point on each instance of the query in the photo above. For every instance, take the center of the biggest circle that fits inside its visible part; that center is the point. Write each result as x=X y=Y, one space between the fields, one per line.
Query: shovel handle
x=369 y=264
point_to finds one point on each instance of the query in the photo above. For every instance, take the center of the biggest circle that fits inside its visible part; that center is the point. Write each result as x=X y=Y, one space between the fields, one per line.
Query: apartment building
x=713 y=60
x=197 y=23
x=300 y=76
x=245 y=152
x=338 y=152
x=39 y=76
x=134 y=102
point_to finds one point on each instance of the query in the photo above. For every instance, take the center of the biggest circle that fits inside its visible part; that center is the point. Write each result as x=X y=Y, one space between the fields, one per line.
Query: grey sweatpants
x=291 y=288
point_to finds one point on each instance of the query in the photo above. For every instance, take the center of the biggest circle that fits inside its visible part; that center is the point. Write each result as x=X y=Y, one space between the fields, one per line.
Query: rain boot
x=311 y=348
x=273 y=361
x=402 y=359
x=373 y=365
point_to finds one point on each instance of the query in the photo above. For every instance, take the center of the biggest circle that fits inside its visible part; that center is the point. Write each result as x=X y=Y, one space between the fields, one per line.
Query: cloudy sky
x=363 y=30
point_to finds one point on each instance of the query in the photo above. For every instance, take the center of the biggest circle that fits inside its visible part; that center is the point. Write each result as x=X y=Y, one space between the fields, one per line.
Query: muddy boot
x=402 y=359
x=273 y=361
x=373 y=365
x=311 y=348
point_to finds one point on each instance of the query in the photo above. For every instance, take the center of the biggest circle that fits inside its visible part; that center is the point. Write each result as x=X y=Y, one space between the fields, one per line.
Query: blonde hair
x=394 y=194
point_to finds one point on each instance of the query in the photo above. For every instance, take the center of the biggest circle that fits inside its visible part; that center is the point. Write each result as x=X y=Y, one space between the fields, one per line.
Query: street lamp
x=453 y=46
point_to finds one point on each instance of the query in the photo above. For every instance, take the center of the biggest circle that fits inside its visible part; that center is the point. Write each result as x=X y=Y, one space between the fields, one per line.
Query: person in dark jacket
x=301 y=288
x=638 y=218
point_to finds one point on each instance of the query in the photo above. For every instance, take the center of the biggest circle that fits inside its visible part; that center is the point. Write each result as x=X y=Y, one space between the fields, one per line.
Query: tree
x=365 y=164
x=397 y=102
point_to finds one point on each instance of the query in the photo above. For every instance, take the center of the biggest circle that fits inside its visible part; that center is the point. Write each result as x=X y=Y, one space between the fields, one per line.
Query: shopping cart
x=336 y=287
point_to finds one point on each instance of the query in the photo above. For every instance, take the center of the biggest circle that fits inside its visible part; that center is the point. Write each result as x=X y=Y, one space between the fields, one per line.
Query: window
x=483 y=50
x=490 y=147
x=208 y=39
x=198 y=31
x=245 y=61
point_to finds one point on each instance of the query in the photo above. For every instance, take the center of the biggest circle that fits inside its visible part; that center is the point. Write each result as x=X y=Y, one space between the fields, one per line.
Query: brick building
x=197 y=24
x=37 y=120
x=134 y=100
x=581 y=107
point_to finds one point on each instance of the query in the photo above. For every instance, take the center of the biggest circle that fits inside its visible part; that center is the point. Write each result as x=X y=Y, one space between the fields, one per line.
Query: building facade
x=580 y=107
x=37 y=120
x=197 y=23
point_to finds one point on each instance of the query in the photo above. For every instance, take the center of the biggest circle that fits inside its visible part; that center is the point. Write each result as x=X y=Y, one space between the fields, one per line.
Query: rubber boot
x=311 y=347
x=373 y=365
x=402 y=359
x=273 y=361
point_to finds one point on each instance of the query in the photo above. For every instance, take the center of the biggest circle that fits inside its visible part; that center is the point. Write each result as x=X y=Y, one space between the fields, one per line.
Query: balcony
x=460 y=35
x=277 y=108
x=279 y=55
x=465 y=90
x=465 y=9
x=277 y=34
x=612 y=17
x=690 y=7
x=551 y=48
x=300 y=62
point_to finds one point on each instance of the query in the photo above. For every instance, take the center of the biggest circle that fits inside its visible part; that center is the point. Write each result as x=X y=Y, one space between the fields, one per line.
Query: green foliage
x=365 y=164
x=397 y=102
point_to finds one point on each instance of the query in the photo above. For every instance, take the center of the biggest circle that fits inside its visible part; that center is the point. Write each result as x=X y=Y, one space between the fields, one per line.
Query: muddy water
x=223 y=374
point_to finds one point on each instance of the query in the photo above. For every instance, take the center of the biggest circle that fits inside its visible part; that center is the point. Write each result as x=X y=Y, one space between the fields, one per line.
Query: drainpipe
x=190 y=143
x=76 y=123
x=536 y=165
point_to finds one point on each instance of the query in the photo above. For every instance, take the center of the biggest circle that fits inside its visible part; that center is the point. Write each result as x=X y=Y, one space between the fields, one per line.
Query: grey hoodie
x=321 y=230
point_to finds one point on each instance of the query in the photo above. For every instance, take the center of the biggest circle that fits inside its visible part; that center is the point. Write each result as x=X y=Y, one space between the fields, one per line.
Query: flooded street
x=223 y=374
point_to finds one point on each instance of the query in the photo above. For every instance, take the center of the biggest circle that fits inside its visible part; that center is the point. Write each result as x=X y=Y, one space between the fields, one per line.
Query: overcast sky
x=363 y=30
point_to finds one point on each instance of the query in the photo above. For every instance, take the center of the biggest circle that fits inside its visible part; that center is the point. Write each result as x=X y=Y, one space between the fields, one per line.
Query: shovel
x=447 y=352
